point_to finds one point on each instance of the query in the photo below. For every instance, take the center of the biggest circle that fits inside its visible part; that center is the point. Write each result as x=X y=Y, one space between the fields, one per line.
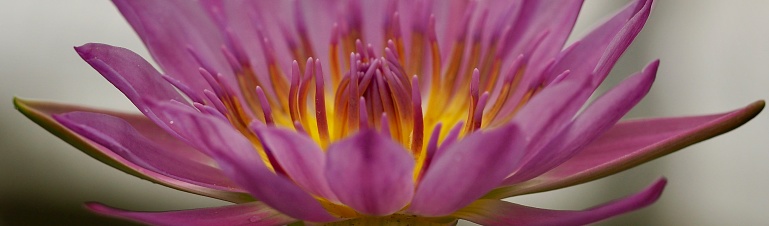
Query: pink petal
x=40 y=113
x=467 y=170
x=274 y=17
x=594 y=121
x=237 y=22
x=118 y=137
x=498 y=212
x=632 y=143
x=621 y=42
x=548 y=112
x=595 y=54
x=370 y=173
x=132 y=75
x=538 y=35
x=554 y=17
x=301 y=158
x=236 y=156
x=169 y=28
x=252 y=213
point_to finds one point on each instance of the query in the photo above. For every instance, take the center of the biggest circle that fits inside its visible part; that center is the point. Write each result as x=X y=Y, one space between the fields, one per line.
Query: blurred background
x=715 y=57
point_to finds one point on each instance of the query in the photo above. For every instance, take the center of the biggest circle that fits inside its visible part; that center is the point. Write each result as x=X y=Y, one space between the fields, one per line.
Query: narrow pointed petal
x=498 y=212
x=169 y=29
x=122 y=142
x=554 y=17
x=586 y=127
x=621 y=42
x=605 y=44
x=301 y=158
x=238 y=159
x=467 y=170
x=132 y=75
x=371 y=173
x=251 y=214
x=632 y=143
x=243 y=16
x=41 y=113
x=549 y=111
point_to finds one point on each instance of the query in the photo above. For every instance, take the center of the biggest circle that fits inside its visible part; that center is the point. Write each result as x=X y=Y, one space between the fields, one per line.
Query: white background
x=715 y=57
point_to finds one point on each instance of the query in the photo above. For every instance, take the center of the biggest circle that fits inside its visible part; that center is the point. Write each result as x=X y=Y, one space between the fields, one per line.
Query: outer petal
x=555 y=17
x=594 y=121
x=119 y=138
x=301 y=158
x=371 y=173
x=629 y=144
x=132 y=75
x=596 y=53
x=538 y=33
x=252 y=214
x=169 y=28
x=467 y=170
x=237 y=157
x=497 y=212
x=40 y=113
x=549 y=111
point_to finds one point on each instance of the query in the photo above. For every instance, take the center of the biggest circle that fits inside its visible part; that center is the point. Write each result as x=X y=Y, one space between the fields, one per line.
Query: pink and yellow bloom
x=373 y=112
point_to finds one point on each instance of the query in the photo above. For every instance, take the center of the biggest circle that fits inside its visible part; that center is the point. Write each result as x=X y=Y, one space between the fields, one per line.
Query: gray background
x=715 y=57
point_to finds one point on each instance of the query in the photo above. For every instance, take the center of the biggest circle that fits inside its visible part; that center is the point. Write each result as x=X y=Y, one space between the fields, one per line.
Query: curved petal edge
x=252 y=214
x=624 y=147
x=40 y=112
x=498 y=212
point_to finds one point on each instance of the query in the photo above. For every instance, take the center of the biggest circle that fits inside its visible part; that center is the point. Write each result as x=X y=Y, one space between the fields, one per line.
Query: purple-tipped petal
x=251 y=214
x=169 y=29
x=586 y=127
x=41 y=113
x=556 y=18
x=548 y=112
x=467 y=170
x=252 y=21
x=238 y=159
x=301 y=158
x=132 y=75
x=120 y=138
x=596 y=53
x=498 y=212
x=620 y=43
x=370 y=173
x=629 y=144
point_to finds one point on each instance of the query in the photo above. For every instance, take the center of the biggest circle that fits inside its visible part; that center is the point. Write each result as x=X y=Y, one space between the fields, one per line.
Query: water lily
x=373 y=112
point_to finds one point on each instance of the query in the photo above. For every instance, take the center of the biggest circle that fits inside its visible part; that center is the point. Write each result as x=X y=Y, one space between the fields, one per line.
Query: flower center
x=377 y=93
x=370 y=91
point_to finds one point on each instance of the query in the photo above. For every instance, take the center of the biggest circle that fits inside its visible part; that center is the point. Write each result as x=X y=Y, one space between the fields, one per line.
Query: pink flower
x=422 y=112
